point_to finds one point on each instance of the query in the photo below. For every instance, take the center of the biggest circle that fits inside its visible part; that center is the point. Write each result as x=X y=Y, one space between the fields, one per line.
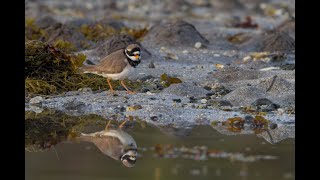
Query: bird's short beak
x=137 y=56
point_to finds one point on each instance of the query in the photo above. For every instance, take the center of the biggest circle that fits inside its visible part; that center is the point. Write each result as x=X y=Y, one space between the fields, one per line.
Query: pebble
x=204 y=101
x=145 y=78
x=85 y=90
x=154 y=118
x=185 y=52
x=280 y=111
x=248 y=119
x=207 y=88
x=197 y=45
x=247 y=58
x=273 y=126
x=151 y=65
x=177 y=100
x=144 y=90
x=36 y=100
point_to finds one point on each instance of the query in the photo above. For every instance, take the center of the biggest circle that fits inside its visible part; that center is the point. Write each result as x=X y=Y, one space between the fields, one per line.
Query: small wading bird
x=114 y=143
x=117 y=65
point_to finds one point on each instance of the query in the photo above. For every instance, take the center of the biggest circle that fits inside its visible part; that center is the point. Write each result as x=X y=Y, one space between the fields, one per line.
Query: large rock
x=233 y=74
x=176 y=33
x=186 y=89
x=244 y=96
x=288 y=27
x=270 y=41
x=115 y=43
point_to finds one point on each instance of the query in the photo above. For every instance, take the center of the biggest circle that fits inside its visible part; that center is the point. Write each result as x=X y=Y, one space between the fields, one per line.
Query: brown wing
x=108 y=145
x=112 y=64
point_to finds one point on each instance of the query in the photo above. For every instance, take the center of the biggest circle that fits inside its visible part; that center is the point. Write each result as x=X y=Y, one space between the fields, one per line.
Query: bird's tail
x=85 y=69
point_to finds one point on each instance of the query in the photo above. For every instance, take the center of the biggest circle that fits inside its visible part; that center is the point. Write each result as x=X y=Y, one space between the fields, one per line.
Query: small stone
x=207 y=88
x=144 y=90
x=36 y=109
x=261 y=101
x=197 y=45
x=216 y=55
x=85 y=90
x=145 y=78
x=122 y=109
x=151 y=65
x=248 y=119
x=149 y=93
x=273 y=125
x=154 y=118
x=36 y=100
x=185 y=52
x=247 y=58
x=280 y=111
x=177 y=100
x=210 y=94
x=171 y=56
x=204 y=101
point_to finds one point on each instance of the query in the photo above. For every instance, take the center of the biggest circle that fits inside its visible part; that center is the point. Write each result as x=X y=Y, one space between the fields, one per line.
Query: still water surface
x=199 y=152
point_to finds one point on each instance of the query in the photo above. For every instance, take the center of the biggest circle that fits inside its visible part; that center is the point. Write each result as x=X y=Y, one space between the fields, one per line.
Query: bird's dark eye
x=135 y=49
x=132 y=53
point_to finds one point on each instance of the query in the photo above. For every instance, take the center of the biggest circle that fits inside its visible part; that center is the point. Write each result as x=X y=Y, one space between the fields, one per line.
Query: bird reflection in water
x=115 y=143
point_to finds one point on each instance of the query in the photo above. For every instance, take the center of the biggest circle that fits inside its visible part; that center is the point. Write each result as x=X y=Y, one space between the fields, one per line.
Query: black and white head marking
x=129 y=158
x=133 y=56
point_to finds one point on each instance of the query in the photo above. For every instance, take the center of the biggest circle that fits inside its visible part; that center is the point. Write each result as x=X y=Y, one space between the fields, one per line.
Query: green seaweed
x=64 y=45
x=168 y=80
x=49 y=70
x=136 y=33
x=33 y=32
x=97 y=32
x=50 y=127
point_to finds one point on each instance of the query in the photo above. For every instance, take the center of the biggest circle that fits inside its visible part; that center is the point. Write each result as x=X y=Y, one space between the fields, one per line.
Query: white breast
x=119 y=76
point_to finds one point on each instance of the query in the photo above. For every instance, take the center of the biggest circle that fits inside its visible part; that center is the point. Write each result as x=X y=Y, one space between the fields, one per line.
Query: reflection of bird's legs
x=107 y=126
x=122 y=124
x=122 y=83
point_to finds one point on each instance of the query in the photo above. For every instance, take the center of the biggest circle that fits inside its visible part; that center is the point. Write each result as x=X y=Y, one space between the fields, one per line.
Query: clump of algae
x=50 y=127
x=99 y=31
x=136 y=33
x=33 y=32
x=96 y=32
x=49 y=70
x=168 y=80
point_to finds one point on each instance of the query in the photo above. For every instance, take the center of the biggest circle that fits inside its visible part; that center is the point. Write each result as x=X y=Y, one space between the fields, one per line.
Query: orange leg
x=122 y=83
x=122 y=124
x=107 y=126
x=111 y=89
